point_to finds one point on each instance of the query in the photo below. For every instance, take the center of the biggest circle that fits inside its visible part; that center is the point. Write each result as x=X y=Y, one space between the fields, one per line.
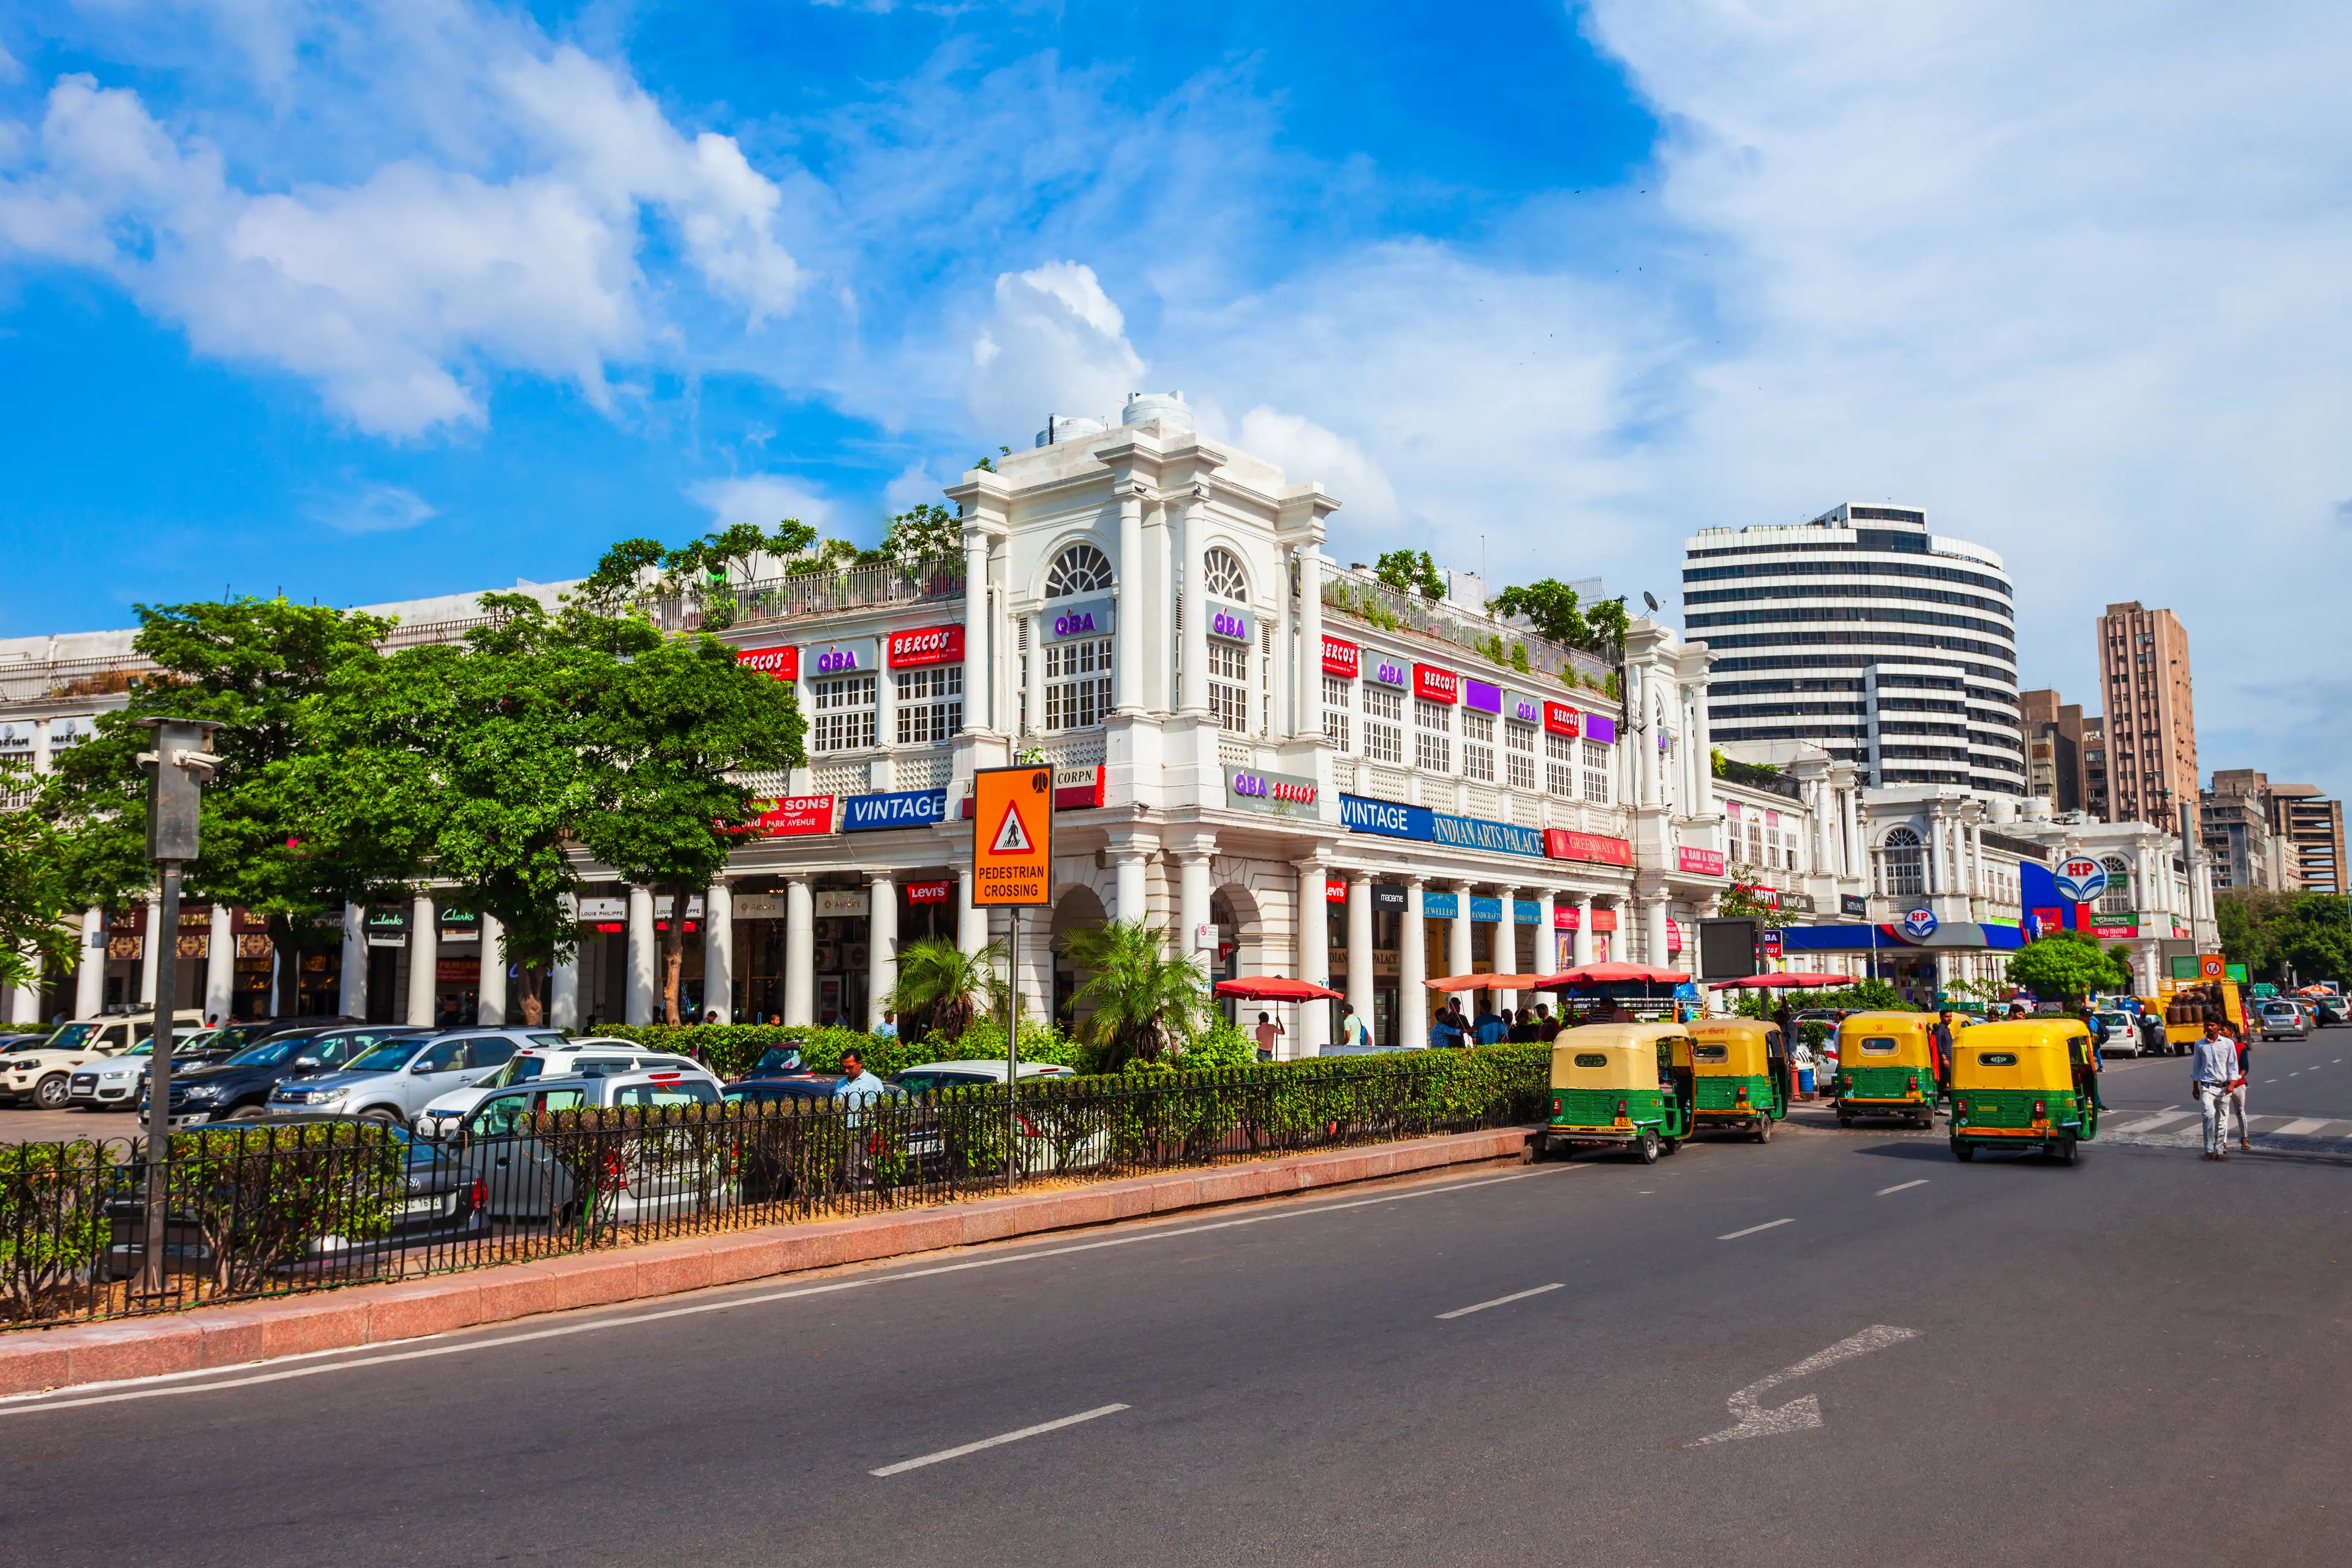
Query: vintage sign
x=925 y=645
x=897 y=808
x=783 y=663
x=1341 y=658
x=1013 y=838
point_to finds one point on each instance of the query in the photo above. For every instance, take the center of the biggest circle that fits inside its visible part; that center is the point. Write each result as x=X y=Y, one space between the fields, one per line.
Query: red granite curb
x=208 y=1337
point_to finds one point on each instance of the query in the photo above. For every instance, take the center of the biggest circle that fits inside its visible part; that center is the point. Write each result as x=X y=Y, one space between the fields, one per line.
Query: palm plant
x=946 y=986
x=1143 y=1002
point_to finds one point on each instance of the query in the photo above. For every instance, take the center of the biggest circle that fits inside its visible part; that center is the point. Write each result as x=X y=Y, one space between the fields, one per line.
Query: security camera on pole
x=180 y=764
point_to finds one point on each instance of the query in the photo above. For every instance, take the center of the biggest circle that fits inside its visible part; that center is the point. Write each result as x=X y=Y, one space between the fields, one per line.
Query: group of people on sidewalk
x=1450 y=1028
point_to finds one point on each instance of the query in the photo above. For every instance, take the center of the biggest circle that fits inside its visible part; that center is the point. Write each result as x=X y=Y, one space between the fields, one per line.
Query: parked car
x=525 y=1178
x=963 y=1074
x=549 y=1056
x=239 y=1088
x=117 y=1082
x=402 y=1075
x=2281 y=1021
x=2123 y=1032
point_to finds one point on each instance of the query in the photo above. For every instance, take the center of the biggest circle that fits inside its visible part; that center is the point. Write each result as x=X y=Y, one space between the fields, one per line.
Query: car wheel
x=1668 y=1146
x=385 y=1114
x=2066 y=1150
x=50 y=1093
x=1845 y=1118
x=245 y=1114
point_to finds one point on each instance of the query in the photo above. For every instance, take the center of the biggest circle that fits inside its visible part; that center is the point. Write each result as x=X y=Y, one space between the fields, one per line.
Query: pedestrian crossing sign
x=1013 y=836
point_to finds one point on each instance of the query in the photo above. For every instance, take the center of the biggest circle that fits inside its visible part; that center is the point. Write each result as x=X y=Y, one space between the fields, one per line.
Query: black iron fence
x=268 y=1209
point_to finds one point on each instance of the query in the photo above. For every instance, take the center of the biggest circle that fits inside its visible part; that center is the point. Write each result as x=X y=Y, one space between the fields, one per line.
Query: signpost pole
x=1012 y=1052
x=1012 y=867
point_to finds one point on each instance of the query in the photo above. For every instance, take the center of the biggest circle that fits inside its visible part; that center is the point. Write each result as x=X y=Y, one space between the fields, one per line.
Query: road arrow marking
x=1800 y=1414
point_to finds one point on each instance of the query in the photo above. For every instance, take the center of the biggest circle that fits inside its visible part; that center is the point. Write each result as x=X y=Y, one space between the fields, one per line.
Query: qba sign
x=854 y=657
x=1282 y=794
x=1079 y=618
x=1229 y=621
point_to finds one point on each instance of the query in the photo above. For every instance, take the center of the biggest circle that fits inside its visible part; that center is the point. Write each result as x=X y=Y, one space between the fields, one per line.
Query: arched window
x=1904 y=864
x=2117 y=899
x=1221 y=576
x=1080 y=569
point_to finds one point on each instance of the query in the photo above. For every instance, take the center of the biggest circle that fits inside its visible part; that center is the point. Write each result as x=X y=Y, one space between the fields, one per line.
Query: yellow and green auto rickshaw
x=1741 y=1075
x=2032 y=1083
x=1887 y=1067
x=1625 y=1086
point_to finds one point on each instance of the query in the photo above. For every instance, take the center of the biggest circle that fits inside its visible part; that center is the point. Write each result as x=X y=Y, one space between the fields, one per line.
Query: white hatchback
x=589 y=1058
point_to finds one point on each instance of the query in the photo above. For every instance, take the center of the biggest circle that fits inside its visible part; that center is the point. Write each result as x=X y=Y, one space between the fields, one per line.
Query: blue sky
x=367 y=302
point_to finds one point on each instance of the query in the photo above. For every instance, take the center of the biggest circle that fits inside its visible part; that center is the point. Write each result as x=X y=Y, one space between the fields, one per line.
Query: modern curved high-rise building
x=1863 y=633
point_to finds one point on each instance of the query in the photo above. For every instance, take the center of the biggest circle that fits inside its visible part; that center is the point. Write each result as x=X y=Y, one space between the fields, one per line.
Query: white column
x=154 y=943
x=89 y=979
x=719 y=945
x=1978 y=880
x=1192 y=897
x=881 y=944
x=424 y=958
x=1850 y=857
x=351 y=986
x=490 y=988
x=563 y=981
x=1645 y=742
x=1033 y=700
x=971 y=922
x=1654 y=919
x=1192 y=674
x=1458 y=940
x=220 y=961
x=1311 y=640
x=1359 y=945
x=1548 y=932
x=1127 y=618
x=1583 y=929
x=800 y=952
x=1312 y=1031
x=1702 y=755
x=24 y=999
x=1413 y=999
x=1507 y=945
x=978 y=664
x=1130 y=884
x=637 y=984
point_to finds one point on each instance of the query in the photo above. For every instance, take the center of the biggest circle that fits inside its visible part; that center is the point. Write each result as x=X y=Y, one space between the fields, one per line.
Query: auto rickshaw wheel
x=1668 y=1145
x=1763 y=1130
x=1845 y=1118
x=2066 y=1150
x=1963 y=1151
x=1645 y=1147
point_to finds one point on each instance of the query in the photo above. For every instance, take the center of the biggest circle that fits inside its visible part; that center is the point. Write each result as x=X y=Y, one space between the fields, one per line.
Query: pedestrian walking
x=858 y=1090
x=2213 y=1071
x=2238 y=1094
x=1352 y=1032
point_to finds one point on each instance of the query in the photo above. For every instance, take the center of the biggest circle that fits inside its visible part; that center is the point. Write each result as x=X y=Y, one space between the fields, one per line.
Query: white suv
x=401 y=1076
x=589 y=1058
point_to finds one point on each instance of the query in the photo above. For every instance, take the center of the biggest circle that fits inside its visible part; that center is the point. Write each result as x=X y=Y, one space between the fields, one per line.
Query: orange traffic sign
x=2210 y=965
x=1013 y=836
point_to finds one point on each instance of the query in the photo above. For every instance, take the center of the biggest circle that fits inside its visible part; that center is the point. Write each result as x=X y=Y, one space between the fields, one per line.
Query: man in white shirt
x=2214 y=1068
x=1352 y=1032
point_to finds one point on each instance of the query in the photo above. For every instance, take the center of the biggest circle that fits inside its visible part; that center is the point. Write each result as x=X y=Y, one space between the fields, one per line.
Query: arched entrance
x=1233 y=911
x=1078 y=909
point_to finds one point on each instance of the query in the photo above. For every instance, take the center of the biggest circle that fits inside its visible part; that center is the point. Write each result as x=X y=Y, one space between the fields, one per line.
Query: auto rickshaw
x=1742 y=1073
x=2030 y=1084
x=1625 y=1086
x=1887 y=1067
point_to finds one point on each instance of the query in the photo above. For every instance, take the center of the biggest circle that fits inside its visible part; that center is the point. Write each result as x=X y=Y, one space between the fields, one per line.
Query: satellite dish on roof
x=1650 y=599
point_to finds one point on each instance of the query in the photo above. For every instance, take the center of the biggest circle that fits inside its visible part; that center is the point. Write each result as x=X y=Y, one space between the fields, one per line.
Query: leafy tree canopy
x=1410 y=571
x=2067 y=965
x=1553 y=608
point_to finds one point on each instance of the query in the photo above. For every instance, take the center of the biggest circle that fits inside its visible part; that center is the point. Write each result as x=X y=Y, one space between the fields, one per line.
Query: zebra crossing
x=2175 y=1128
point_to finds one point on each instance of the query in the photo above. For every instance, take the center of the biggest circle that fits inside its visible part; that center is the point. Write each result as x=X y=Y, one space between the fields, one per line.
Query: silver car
x=657 y=1171
x=400 y=1078
x=2281 y=1021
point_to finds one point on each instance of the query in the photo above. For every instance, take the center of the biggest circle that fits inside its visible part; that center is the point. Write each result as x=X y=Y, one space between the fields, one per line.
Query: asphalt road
x=2141 y=1359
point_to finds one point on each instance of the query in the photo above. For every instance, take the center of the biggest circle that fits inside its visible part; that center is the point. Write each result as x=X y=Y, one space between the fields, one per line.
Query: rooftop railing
x=1363 y=597
x=808 y=593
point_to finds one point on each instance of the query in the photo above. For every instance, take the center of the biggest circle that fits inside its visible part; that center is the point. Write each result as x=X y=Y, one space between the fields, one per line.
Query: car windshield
x=72 y=1036
x=390 y=1056
x=777 y=1059
x=267 y=1055
x=519 y=1069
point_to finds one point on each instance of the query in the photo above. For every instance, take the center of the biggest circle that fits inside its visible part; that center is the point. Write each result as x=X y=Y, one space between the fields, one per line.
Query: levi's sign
x=1084 y=618
x=929 y=644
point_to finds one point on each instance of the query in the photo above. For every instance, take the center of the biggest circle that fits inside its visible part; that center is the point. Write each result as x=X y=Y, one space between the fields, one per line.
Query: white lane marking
x=24 y=1404
x=1498 y=1301
x=2297 y=1128
x=1901 y=1186
x=2269 y=1080
x=1752 y=1229
x=2153 y=1123
x=904 y=1464
x=1799 y=1414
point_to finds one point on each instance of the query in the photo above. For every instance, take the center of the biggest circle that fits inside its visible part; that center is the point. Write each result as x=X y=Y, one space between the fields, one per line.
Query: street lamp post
x=177 y=767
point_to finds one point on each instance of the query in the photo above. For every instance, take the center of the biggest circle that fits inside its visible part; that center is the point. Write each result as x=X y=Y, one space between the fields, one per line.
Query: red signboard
x=1335 y=891
x=1435 y=685
x=783 y=663
x=1341 y=657
x=926 y=644
x=1559 y=844
x=1766 y=898
x=2051 y=918
x=1674 y=936
x=2113 y=933
x=929 y=892
x=1563 y=719
x=1605 y=920
x=795 y=817
x=1076 y=789
x=1699 y=862
x=1564 y=917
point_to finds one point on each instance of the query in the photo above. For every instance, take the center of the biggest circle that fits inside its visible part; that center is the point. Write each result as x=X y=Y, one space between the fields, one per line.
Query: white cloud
x=1308 y=453
x=400 y=292
x=914 y=486
x=764 y=500
x=1055 y=344
x=373 y=508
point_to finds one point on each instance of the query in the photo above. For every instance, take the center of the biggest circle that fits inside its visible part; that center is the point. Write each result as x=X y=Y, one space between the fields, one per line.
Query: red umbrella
x=1484 y=983
x=1610 y=974
x=1274 y=988
x=1780 y=980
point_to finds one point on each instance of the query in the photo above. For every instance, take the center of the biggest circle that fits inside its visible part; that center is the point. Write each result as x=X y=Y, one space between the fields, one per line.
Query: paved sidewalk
x=32 y=1359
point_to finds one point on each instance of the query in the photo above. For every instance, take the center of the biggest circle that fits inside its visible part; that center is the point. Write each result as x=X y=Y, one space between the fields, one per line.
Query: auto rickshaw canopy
x=1617 y=1055
x=1732 y=1047
x=2028 y=1054
x=1889 y=1040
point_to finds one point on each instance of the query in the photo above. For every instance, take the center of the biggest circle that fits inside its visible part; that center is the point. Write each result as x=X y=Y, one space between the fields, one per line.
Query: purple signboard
x=1481 y=698
x=1596 y=728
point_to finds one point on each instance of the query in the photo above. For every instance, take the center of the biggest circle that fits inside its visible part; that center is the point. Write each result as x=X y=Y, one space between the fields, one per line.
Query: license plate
x=423 y=1205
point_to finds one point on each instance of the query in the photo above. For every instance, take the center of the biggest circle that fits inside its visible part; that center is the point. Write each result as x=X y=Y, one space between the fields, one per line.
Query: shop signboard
x=1432 y=684
x=783 y=663
x=1522 y=709
x=1854 y=904
x=1388 y=896
x=756 y=906
x=1341 y=658
x=1500 y=838
x=1478 y=697
x=457 y=971
x=1441 y=906
x=1919 y=924
x=1486 y=911
x=1526 y=911
x=938 y=892
x=1699 y=862
x=1275 y=795
x=1079 y=618
x=2122 y=930
x=794 y=817
x=1605 y=920
x=1674 y=936
x=1229 y=621
x=1013 y=838
x=387 y=928
x=593 y=910
x=1387 y=817
x=841 y=903
x=1387 y=671
x=851 y=656
x=1765 y=898
x=1560 y=844
x=1075 y=789
x=1335 y=890
x=1564 y=917
x=898 y=808
x=1600 y=728
x=2081 y=879
x=460 y=925
x=925 y=645
x=1563 y=719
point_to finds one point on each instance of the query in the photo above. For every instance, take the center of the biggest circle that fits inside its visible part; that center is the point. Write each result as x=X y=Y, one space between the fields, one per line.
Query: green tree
x=38 y=902
x=1608 y=623
x=1552 y=606
x=1739 y=900
x=1139 y=1000
x=927 y=533
x=1410 y=571
x=2067 y=966
x=946 y=987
